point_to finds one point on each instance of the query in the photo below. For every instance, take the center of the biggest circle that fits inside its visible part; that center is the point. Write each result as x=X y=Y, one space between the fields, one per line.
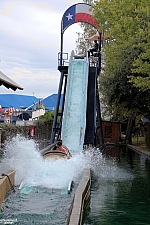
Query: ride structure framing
x=93 y=112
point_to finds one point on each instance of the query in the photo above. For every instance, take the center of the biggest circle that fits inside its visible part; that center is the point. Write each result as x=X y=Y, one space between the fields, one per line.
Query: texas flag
x=78 y=13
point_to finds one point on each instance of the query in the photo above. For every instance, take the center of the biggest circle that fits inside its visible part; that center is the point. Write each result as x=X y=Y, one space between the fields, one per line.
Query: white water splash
x=23 y=156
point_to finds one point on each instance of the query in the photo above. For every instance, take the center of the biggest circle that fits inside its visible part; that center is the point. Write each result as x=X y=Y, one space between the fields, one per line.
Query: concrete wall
x=81 y=197
x=6 y=184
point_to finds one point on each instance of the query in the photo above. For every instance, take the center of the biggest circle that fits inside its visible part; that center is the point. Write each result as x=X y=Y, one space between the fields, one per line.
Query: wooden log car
x=49 y=152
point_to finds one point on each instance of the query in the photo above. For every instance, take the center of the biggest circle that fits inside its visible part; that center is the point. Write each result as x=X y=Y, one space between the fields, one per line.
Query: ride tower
x=79 y=13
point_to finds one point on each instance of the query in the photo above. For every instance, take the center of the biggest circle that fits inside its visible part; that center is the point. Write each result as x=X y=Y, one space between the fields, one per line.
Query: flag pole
x=61 y=45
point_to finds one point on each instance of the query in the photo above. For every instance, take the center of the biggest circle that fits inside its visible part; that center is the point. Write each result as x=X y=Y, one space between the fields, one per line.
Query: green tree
x=48 y=116
x=88 y=30
x=126 y=53
x=141 y=67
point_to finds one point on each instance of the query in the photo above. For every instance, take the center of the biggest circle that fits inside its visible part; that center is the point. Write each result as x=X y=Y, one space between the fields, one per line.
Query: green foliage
x=82 y=45
x=10 y=130
x=125 y=76
x=125 y=81
x=141 y=68
x=48 y=116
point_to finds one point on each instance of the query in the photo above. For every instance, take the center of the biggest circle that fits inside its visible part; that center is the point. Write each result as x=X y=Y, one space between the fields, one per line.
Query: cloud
x=30 y=42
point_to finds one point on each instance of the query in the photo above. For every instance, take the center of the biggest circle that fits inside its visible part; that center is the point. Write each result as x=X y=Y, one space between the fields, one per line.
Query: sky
x=30 y=32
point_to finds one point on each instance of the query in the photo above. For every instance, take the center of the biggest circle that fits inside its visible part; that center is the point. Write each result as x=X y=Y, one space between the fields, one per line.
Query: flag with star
x=78 y=13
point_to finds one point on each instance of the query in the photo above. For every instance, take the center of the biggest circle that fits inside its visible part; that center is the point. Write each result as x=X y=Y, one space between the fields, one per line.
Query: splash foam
x=22 y=155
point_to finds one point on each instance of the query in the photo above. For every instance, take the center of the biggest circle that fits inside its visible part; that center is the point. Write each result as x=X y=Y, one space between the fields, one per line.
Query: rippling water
x=120 y=192
x=43 y=198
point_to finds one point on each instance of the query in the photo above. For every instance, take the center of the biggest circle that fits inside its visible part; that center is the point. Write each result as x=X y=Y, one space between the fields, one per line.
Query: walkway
x=141 y=150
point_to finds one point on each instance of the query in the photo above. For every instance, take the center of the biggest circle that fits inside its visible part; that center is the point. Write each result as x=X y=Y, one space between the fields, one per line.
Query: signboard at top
x=80 y=12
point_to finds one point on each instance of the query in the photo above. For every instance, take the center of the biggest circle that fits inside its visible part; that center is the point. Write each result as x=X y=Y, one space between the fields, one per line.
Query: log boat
x=49 y=152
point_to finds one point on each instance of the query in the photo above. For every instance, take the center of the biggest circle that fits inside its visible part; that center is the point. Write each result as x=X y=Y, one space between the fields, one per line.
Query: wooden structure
x=6 y=184
x=111 y=131
x=55 y=154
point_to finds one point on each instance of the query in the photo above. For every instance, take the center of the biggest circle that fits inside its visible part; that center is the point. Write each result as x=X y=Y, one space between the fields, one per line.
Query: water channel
x=120 y=191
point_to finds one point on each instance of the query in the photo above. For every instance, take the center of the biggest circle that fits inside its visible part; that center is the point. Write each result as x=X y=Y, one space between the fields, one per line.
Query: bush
x=9 y=131
x=48 y=116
